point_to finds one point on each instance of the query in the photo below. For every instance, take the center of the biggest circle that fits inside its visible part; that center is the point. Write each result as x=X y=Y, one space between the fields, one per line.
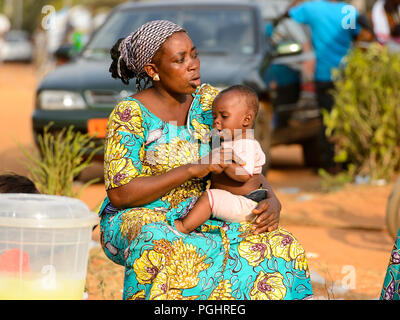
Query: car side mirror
x=288 y=48
x=64 y=53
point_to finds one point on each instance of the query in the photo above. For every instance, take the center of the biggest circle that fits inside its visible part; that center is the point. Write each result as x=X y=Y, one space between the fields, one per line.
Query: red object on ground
x=10 y=261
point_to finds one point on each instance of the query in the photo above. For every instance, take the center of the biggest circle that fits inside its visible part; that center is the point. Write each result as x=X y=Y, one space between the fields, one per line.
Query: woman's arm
x=143 y=190
x=268 y=210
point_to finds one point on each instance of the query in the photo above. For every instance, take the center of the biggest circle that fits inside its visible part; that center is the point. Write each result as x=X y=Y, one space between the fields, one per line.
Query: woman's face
x=178 y=64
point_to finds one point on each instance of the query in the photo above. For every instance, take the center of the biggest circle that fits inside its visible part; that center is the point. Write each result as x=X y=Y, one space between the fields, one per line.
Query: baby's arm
x=237 y=172
x=199 y=214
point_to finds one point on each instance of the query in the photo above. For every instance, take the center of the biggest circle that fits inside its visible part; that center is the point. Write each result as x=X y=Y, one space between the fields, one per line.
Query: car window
x=216 y=31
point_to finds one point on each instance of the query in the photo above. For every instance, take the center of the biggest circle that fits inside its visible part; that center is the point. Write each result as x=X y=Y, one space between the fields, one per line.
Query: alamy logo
x=49 y=277
x=349 y=21
x=48 y=21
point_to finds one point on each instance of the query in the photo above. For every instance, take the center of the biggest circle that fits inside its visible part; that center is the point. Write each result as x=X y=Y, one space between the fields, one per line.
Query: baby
x=236 y=191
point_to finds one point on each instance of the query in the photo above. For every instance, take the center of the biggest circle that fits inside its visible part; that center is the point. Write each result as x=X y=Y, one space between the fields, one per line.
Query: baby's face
x=229 y=114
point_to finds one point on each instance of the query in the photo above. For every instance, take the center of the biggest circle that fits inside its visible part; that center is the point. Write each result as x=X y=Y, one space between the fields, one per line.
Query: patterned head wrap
x=139 y=48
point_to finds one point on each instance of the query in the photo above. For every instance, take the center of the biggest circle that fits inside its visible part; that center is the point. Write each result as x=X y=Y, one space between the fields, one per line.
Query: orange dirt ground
x=343 y=232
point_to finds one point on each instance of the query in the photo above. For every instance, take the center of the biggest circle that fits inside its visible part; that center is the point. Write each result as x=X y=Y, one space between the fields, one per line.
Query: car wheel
x=311 y=153
x=262 y=131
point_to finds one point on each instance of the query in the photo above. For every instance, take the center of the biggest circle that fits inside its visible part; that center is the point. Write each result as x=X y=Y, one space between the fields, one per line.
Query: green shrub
x=364 y=122
x=334 y=182
x=61 y=158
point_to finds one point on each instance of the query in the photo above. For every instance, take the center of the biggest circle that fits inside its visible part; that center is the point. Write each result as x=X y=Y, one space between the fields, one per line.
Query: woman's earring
x=156 y=77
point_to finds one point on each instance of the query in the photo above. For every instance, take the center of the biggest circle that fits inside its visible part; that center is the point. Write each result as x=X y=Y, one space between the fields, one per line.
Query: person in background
x=334 y=25
x=385 y=18
x=15 y=183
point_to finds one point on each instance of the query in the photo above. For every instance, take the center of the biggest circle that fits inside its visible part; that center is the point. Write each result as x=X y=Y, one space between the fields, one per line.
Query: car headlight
x=60 y=100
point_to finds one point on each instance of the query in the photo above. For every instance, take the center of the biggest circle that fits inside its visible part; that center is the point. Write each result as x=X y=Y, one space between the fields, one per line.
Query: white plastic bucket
x=44 y=246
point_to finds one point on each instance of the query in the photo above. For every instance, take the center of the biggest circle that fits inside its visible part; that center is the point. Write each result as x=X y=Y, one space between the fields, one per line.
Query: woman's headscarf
x=139 y=47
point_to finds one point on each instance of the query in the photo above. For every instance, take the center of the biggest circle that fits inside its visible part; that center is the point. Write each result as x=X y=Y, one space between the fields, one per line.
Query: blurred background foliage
x=364 y=121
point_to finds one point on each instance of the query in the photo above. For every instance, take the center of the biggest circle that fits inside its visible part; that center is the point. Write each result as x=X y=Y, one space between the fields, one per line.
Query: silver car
x=17 y=46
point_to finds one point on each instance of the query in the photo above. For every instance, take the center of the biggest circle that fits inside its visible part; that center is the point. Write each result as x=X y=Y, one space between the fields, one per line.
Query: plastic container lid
x=44 y=211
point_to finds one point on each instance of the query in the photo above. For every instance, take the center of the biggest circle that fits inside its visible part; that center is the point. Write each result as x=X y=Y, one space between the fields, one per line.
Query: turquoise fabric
x=391 y=284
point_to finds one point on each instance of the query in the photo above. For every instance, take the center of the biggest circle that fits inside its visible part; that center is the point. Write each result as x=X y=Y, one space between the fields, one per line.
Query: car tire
x=311 y=153
x=263 y=131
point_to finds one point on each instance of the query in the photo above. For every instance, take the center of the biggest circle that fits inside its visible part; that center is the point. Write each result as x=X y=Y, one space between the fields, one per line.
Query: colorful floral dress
x=391 y=285
x=220 y=260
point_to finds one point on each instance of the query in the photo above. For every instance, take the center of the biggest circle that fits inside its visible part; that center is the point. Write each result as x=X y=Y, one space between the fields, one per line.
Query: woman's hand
x=214 y=162
x=199 y=170
x=268 y=212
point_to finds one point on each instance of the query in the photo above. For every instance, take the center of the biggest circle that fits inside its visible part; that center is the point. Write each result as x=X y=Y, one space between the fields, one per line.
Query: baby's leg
x=199 y=214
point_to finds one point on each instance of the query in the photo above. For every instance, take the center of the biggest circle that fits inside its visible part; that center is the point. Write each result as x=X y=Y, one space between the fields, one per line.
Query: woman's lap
x=222 y=262
x=113 y=243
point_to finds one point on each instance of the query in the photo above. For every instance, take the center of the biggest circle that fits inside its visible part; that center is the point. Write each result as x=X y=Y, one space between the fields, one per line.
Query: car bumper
x=16 y=55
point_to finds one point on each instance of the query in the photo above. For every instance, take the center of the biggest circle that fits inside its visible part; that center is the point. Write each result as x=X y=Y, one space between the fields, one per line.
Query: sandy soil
x=343 y=232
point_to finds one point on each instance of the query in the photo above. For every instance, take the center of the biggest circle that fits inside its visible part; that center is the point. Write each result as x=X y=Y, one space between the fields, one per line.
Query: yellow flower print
x=208 y=228
x=222 y=292
x=208 y=94
x=119 y=172
x=284 y=245
x=191 y=188
x=140 y=295
x=112 y=128
x=183 y=262
x=148 y=266
x=133 y=220
x=184 y=151
x=177 y=295
x=184 y=265
x=255 y=249
x=146 y=168
x=114 y=150
x=149 y=164
x=176 y=153
x=201 y=131
x=128 y=116
x=245 y=229
x=268 y=286
x=301 y=263
x=170 y=268
x=171 y=155
x=161 y=289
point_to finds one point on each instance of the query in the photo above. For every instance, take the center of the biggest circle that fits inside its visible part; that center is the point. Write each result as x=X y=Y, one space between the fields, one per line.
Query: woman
x=157 y=157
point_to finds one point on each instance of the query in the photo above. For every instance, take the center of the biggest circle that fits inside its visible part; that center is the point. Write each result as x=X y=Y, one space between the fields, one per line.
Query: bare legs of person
x=199 y=214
